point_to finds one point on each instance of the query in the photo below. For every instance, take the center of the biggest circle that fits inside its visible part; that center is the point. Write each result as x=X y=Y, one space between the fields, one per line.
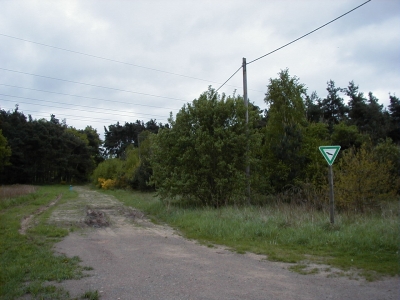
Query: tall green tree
x=43 y=150
x=283 y=135
x=313 y=108
x=118 y=137
x=201 y=157
x=394 y=111
x=5 y=151
x=333 y=107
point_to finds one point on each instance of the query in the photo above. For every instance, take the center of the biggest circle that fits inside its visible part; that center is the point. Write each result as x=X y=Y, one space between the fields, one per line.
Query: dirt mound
x=96 y=218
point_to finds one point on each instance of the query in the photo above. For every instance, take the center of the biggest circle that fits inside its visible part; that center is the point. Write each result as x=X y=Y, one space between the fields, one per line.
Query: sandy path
x=140 y=260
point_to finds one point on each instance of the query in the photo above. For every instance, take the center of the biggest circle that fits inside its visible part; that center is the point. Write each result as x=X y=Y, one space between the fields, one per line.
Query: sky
x=101 y=62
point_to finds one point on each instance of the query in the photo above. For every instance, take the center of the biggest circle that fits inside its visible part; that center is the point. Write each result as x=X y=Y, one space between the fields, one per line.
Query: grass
x=368 y=244
x=27 y=262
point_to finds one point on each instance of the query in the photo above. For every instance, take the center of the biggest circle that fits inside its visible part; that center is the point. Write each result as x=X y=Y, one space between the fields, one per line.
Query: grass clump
x=288 y=233
x=27 y=261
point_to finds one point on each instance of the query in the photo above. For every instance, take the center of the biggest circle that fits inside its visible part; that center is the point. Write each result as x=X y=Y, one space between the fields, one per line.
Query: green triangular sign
x=330 y=153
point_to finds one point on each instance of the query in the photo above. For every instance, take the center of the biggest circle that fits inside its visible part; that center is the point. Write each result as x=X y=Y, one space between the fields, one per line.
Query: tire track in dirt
x=26 y=221
x=135 y=259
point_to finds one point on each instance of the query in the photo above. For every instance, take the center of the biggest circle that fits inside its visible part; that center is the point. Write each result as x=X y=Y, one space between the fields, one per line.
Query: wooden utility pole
x=246 y=103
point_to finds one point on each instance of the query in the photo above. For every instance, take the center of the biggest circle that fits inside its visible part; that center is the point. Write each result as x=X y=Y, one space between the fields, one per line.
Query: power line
x=42 y=113
x=55 y=102
x=67 y=108
x=227 y=80
x=112 y=60
x=101 y=99
x=93 y=85
x=294 y=41
x=309 y=32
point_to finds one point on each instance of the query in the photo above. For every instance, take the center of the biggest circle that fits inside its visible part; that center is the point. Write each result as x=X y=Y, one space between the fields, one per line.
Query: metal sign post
x=330 y=153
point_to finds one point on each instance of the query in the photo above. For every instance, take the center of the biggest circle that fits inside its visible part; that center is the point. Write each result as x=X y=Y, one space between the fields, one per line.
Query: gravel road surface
x=136 y=259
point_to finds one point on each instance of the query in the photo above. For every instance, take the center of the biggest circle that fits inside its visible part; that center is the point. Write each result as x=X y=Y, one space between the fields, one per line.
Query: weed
x=303 y=269
x=91 y=295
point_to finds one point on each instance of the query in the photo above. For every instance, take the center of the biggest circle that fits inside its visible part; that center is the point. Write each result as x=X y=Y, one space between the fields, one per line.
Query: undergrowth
x=365 y=242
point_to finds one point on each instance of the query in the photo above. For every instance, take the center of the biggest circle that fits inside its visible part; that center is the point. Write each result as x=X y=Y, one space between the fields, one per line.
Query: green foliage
x=47 y=151
x=346 y=136
x=202 y=157
x=283 y=134
x=362 y=181
x=109 y=169
x=394 y=112
x=333 y=108
x=5 y=151
x=314 y=136
x=132 y=169
x=119 y=137
x=387 y=151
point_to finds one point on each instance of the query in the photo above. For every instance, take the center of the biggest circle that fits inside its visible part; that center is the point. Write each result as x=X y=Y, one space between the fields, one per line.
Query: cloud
x=202 y=39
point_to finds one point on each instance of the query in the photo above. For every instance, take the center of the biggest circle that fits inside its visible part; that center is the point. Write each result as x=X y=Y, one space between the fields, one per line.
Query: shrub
x=362 y=181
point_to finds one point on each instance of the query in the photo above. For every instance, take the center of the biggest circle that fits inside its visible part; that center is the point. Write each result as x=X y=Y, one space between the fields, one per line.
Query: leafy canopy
x=202 y=156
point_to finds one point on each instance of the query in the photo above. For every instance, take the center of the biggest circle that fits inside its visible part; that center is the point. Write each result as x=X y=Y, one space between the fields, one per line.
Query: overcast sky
x=201 y=42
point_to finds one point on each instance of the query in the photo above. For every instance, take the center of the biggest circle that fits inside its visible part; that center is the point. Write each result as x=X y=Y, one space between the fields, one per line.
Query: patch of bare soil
x=136 y=259
x=26 y=221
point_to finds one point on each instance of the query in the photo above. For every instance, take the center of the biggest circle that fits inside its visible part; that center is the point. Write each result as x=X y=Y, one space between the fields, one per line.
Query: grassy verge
x=368 y=244
x=27 y=262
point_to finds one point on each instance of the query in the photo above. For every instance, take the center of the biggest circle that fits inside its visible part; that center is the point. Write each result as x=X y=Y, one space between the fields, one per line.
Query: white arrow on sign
x=330 y=153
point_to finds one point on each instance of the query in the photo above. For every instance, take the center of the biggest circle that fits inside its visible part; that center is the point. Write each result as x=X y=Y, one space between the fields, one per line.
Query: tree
x=394 y=111
x=313 y=108
x=367 y=114
x=201 y=157
x=283 y=134
x=5 y=151
x=118 y=137
x=357 y=105
x=44 y=151
x=362 y=181
x=94 y=144
x=332 y=106
x=347 y=136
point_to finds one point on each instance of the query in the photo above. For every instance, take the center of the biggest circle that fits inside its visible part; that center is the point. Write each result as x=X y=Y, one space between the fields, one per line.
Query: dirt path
x=26 y=221
x=135 y=259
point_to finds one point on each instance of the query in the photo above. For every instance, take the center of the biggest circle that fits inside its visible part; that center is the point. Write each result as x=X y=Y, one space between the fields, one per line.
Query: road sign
x=330 y=153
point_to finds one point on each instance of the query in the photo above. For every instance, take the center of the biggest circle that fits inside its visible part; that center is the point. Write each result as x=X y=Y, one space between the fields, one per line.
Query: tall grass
x=12 y=194
x=289 y=233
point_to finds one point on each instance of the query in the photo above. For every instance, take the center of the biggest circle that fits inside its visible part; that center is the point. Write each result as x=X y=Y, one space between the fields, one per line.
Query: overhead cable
x=309 y=32
x=94 y=98
x=63 y=103
x=42 y=113
x=293 y=42
x=93 y=85
x=90 y=111
x=112 y=60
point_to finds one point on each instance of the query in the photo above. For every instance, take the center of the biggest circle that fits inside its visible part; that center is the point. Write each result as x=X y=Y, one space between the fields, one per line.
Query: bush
x=202 y=157
x=106 y=184
x=362 y=181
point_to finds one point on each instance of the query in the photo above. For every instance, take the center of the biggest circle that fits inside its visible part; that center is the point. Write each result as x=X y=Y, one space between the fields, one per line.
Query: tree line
x=200 y=156
x=45 y=151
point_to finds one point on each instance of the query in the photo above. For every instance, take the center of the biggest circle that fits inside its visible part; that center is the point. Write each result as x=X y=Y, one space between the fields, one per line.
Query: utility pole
x=246 y=103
